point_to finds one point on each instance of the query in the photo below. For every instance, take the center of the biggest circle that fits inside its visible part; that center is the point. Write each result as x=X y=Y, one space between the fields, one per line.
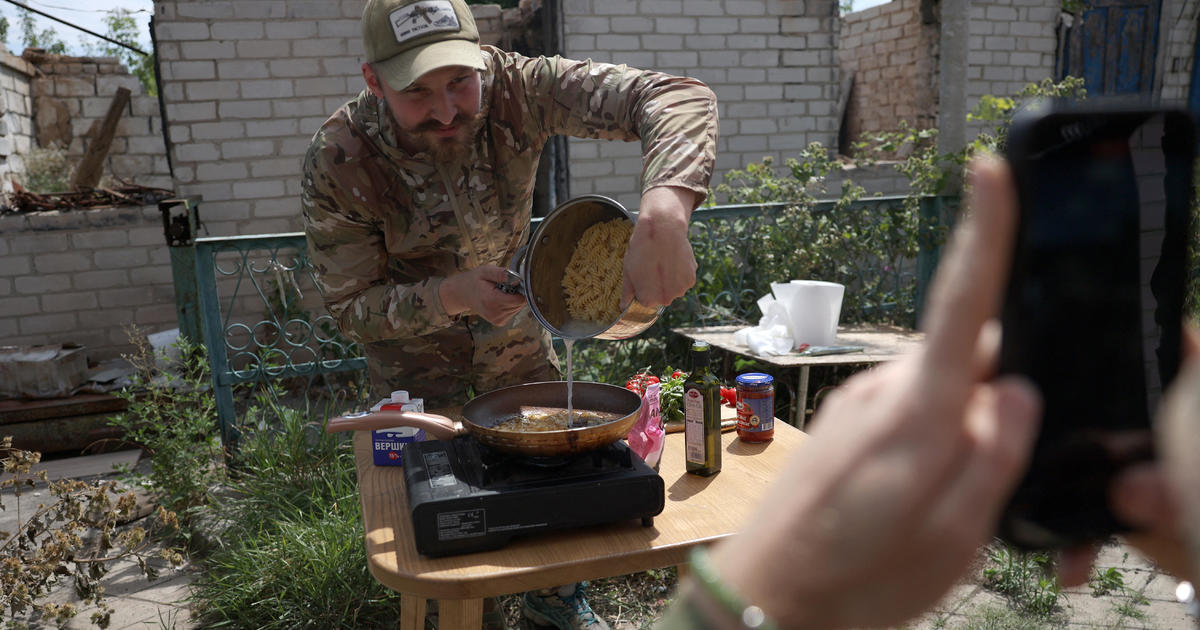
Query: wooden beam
x=87 y=174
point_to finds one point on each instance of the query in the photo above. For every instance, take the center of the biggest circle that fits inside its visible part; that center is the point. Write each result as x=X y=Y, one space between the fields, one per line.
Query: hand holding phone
x=1094 y=304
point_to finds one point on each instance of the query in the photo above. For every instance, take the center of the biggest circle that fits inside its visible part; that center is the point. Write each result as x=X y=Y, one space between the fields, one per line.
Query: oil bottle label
x=693 y=425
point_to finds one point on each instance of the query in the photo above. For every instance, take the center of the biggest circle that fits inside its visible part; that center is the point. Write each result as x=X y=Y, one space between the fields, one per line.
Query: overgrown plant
x=172 y=415
x=289 y=531
x=72 y=539
x=47 y=170
x=863 y=246
x=1026 y=578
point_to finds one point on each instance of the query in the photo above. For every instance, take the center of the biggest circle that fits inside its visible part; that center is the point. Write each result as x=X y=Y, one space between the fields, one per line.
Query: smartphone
x=1094 y=306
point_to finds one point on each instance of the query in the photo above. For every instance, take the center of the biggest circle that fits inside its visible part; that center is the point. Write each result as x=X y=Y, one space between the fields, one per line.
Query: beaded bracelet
x=705 y=574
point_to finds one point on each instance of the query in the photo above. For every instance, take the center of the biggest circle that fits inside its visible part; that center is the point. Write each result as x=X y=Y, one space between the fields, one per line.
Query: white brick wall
x=765 y=59
x=1177 y=29
x=82 y=276
x=16 y=122
x=1011 y=44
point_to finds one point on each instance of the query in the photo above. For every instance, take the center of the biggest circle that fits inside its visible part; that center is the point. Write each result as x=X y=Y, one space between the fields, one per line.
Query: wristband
x=750 y=616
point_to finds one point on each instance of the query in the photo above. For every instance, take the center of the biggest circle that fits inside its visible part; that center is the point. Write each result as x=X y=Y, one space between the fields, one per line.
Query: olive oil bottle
x=702 y=415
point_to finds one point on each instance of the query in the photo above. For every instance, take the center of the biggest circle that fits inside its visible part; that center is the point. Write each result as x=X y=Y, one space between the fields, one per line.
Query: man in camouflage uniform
x=417 y=194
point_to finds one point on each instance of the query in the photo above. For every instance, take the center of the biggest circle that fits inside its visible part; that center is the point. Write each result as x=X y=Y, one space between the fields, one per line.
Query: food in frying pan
x=547 y=419
x=592 y=279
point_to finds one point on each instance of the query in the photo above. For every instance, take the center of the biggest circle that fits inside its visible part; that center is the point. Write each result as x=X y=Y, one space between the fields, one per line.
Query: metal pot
x=544 y=262
x=486 y=410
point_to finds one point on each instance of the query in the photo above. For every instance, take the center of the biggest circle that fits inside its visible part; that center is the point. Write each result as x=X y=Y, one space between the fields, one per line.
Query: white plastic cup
x=813 y=308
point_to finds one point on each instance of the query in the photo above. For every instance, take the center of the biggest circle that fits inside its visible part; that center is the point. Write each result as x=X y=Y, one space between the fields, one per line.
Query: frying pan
x=483 y=412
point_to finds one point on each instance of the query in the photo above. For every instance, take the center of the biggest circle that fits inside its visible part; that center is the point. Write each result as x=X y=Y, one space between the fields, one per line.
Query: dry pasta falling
x=592 y=280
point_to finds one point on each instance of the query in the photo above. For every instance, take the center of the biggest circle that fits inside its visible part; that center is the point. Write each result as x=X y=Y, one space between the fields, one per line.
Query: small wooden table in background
x=697 y=510
x=880 y=343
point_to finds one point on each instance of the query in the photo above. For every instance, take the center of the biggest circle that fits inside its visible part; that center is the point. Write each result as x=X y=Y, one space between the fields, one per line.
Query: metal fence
x=261 y=316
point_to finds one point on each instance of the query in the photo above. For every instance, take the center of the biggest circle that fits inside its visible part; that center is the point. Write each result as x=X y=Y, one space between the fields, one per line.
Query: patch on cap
x=423 y=18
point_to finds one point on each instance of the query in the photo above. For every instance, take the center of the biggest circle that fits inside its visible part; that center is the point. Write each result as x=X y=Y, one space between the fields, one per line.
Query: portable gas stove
x=465 y=497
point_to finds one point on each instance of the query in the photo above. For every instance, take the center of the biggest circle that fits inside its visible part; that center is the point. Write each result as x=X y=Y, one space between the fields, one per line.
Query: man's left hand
x=659 y=265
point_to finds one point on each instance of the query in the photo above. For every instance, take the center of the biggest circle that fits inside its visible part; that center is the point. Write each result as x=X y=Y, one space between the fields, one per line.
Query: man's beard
x=449 y=149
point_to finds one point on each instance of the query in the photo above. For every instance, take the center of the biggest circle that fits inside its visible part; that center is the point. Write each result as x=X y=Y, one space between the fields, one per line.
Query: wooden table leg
x=460 y=614
x=799 y=410
x=412 y=612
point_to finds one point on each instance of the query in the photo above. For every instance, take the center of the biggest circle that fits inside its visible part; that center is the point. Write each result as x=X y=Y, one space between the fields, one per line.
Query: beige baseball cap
x=407 y=38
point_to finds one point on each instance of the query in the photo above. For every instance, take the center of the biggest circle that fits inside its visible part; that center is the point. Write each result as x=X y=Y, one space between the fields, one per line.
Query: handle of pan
x=440 y=427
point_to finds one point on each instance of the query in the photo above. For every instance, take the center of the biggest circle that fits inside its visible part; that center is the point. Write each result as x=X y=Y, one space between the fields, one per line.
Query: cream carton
x=388 y=444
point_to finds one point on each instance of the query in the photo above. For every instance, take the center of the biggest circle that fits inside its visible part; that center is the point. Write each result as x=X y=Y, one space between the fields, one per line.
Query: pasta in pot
x=592 y=280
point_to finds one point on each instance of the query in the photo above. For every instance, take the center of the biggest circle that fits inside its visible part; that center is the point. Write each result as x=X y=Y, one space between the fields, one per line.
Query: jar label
x=756 y=414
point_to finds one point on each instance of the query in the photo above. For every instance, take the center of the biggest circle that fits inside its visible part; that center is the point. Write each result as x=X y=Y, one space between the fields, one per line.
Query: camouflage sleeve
x=674 y=117
x=346 y=247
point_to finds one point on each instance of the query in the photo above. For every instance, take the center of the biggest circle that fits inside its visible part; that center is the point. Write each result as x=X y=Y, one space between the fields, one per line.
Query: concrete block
x=328 y=47
x=222 y=170
x=706 y=42
x=349 y=67
x=781 y=42
x=63 y=325
x=662 y=7
x=63 y=302
x=197 y=152
x=193 y=111
x=16 y=306
x=743 y=41
x=758 y=126
x=181 y=31
x=291 y=29
x=704 y=7
x=789 y=75
x=100 y=239
x=802 y=92
x=766 y=92
x=74 y=86
x=319 y=86
x=263 y=49
x=688 y=59
x=261 y=9
x=618 y=42
x=760 y=58
x=270 y=128
x=155 y=275
x=287 y=68
x=1004 y=44
x=711 y=26
x=710 y=76
x=258 y=189
x=631 y=25
x=245 y=109
x=62 y=263
x=267 y=88
x=42 y=283
x=347 y=29
x=242 y=69
x=124 y=298
x=123 y=258
x=277 y=167
x=190 y=70
x=577 y=44
x=719 y=58
x=587 y=25
x=218 y=130
x=616 y=7
x=236 y=30
x=745 y=7
x=745 y=143
x=237 y=149
x=104 y=279
x=319 y=9
x=293 y=147
x=302 y=107
x=1027 y=59
x=679 y=25
x=769 y=26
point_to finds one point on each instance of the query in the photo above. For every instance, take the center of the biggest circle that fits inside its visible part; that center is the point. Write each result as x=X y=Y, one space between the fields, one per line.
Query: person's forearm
x=384 y=312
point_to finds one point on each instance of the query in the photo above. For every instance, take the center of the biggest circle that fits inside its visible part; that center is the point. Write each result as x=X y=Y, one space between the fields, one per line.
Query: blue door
x=1113 y=46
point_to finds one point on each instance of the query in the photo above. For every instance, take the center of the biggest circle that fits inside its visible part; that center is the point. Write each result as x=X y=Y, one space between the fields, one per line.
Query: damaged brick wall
x=891 y=52
x=71 y=96
x=16 y=123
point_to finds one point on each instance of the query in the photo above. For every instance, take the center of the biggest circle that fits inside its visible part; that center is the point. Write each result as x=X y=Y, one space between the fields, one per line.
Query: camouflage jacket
x=385 y=227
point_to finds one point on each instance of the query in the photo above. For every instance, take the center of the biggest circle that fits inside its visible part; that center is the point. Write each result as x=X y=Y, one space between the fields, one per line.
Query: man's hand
x=1161 y=499
x=659 y=265
x=908 y=465
x=475 y=292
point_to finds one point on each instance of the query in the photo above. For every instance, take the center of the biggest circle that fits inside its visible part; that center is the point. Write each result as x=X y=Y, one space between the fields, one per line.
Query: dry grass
x=628 y=601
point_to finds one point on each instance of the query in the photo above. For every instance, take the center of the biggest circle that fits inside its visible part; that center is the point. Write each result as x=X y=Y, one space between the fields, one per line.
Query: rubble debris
x=21 y=200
